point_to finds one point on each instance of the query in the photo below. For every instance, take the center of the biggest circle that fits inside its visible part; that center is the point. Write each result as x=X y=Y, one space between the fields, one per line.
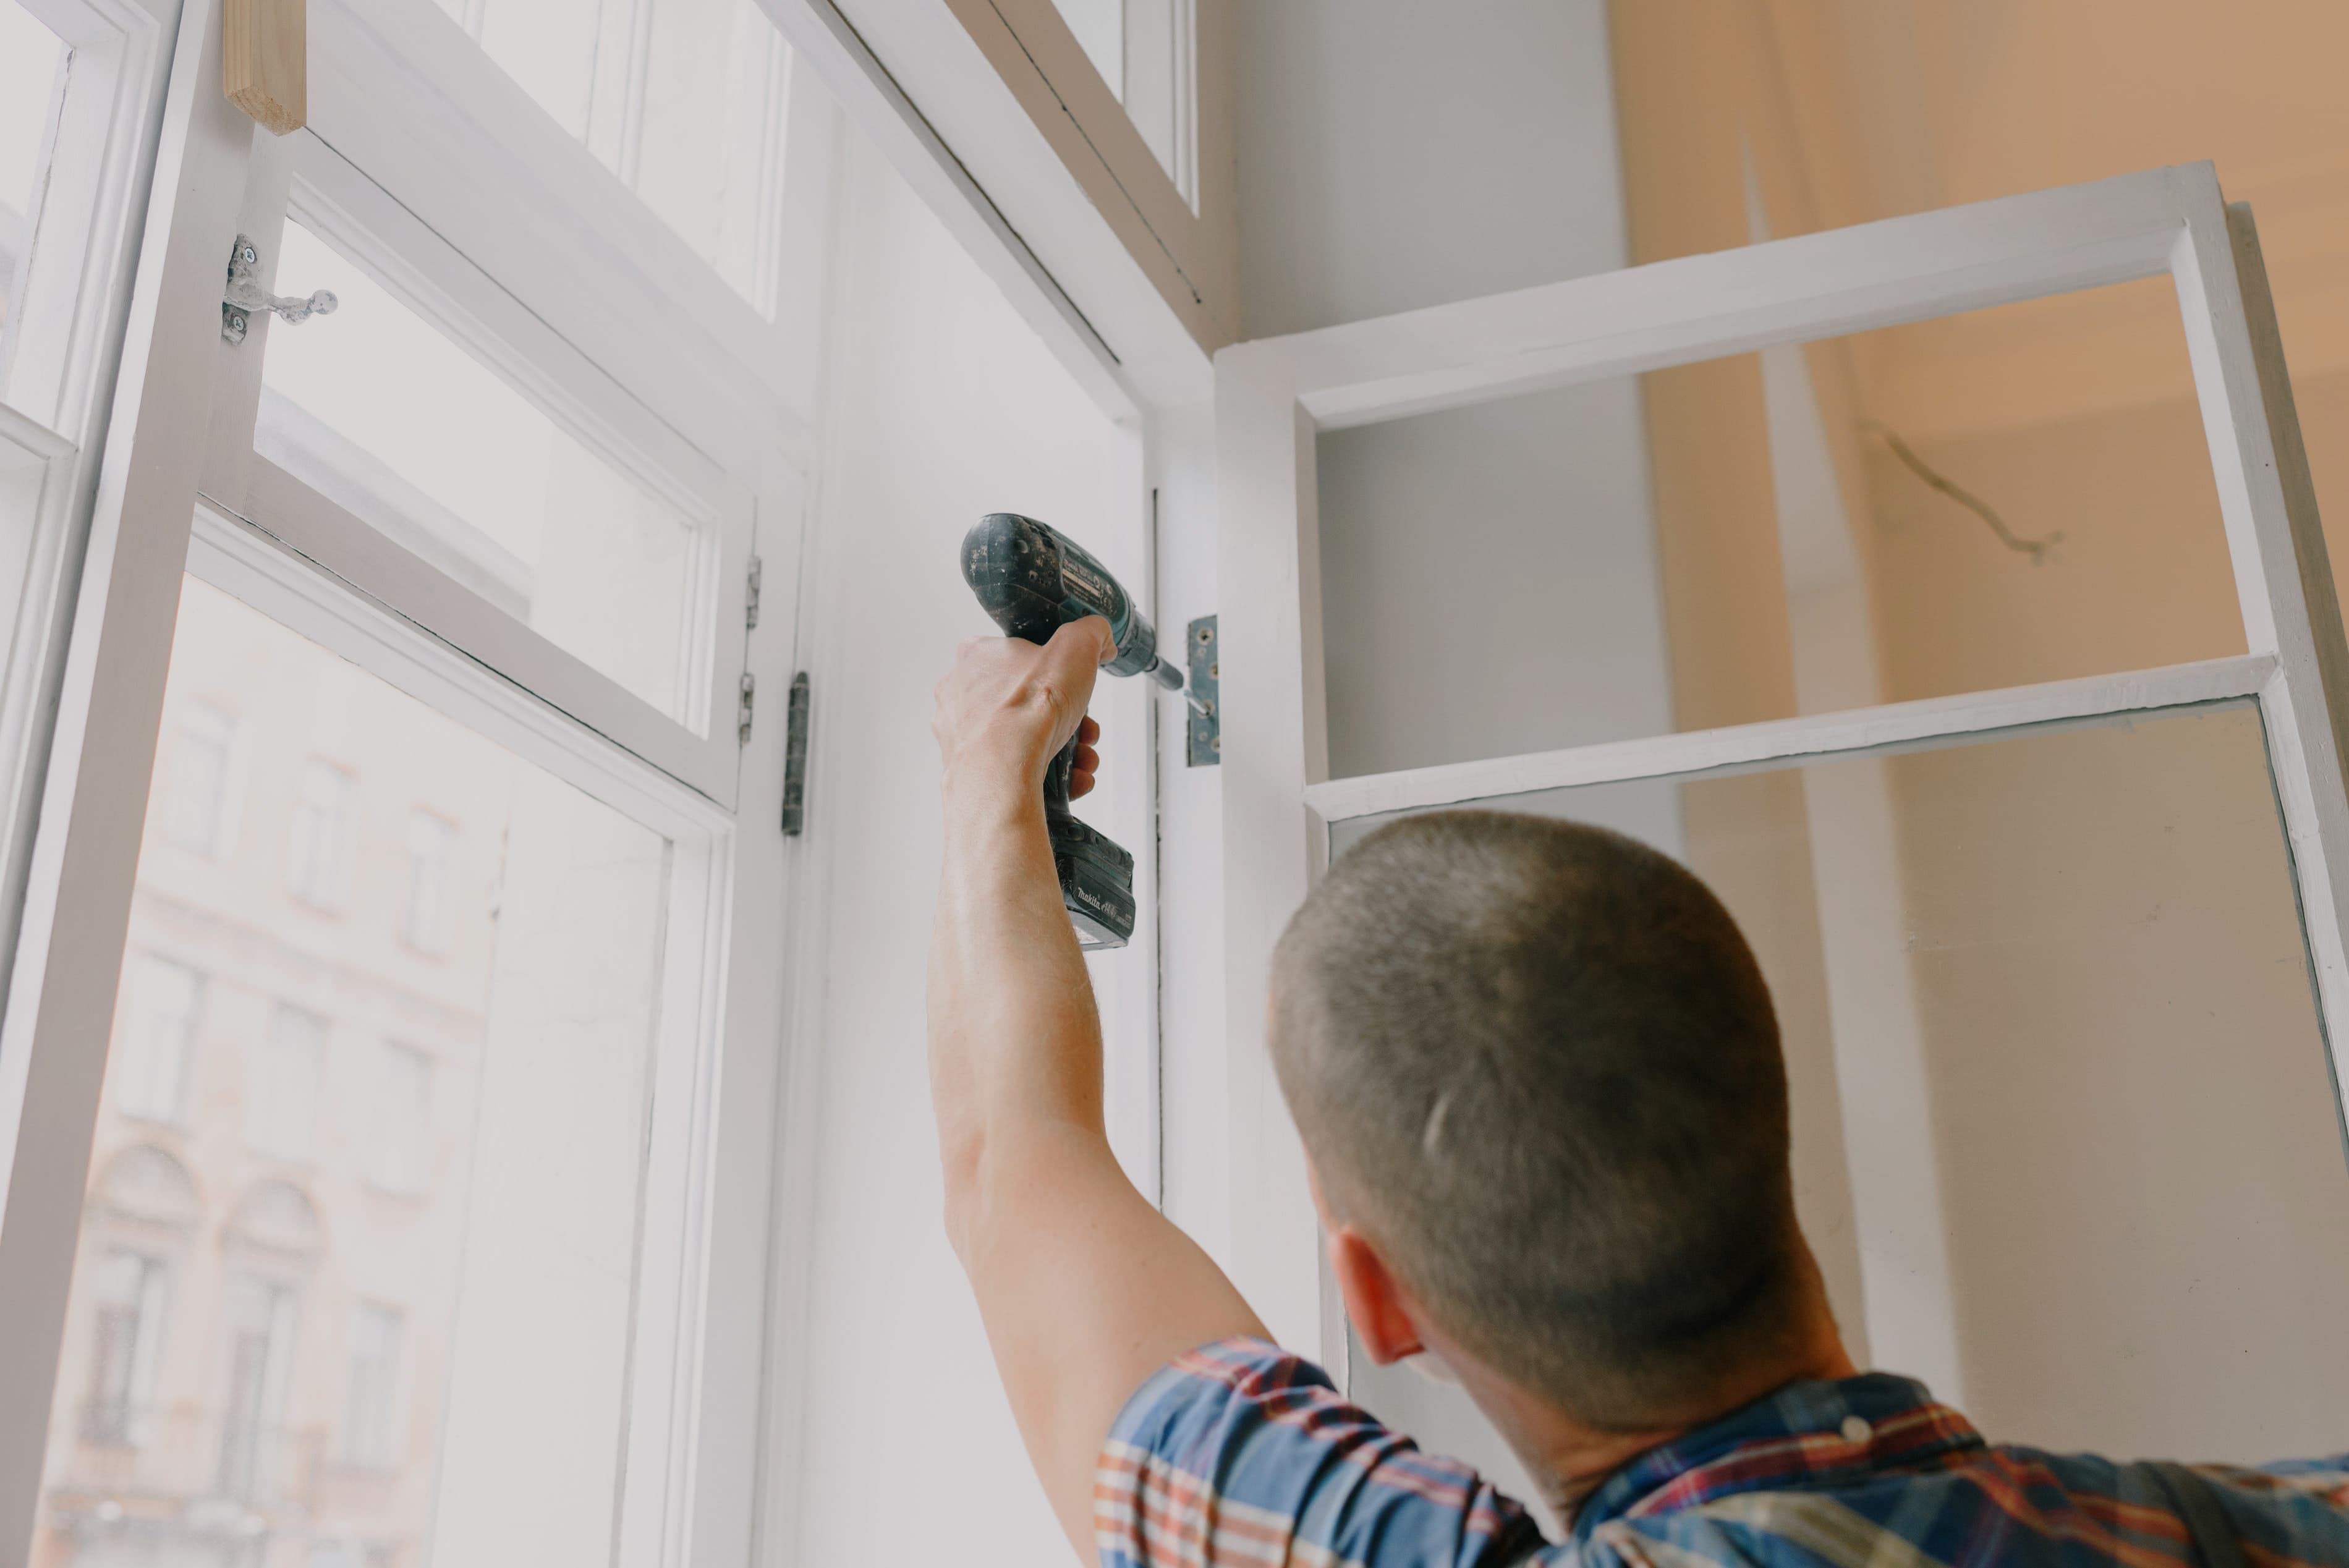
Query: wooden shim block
x=265 y=67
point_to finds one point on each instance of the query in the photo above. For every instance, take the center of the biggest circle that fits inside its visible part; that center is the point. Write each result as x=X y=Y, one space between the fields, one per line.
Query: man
x=1539 y=1086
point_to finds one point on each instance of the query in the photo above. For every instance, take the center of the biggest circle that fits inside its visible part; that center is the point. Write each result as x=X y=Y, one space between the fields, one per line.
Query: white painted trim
x=1727 y=302
x=400 y=92
x=2284 y=579
x=361 y=556
x=84 y=854
x=875 y=103
x=1859 y=732
x=75 y=287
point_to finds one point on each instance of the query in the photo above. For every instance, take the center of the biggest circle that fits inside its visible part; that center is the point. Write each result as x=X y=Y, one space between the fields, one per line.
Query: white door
x=423 y=721
x=2209 y=794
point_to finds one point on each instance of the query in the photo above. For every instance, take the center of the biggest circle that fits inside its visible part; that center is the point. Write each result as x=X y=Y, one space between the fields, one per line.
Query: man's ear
x=1375 y=1298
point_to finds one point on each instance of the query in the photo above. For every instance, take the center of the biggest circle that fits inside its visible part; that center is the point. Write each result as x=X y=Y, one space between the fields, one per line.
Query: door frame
x=1274 y=397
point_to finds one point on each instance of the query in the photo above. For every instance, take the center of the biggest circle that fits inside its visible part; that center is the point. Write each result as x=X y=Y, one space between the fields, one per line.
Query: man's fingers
x=1088 y=760
x=1089 y=731
x=1081 y=783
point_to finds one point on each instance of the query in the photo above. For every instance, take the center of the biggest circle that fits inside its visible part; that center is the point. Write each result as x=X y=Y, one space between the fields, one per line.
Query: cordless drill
x=1032 y=582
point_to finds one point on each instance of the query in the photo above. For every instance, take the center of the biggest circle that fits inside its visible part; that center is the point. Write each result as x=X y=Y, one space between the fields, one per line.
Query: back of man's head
x=1536 y=1064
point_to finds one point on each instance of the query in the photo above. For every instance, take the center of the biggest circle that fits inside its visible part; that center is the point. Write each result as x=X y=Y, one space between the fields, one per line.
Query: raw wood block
x=265 y=47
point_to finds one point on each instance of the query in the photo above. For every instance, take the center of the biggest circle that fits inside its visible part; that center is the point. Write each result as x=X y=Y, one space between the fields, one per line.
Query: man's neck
x=1569 y=1460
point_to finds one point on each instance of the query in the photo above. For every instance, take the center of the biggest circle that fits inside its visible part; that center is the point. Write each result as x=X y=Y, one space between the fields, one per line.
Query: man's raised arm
x=1085 y=1289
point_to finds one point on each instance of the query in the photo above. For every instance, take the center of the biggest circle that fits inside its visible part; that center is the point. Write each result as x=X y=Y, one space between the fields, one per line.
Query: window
x=158 y=1026
x=371 y=1411
x=548 y=649
x=324 y=823
x=683 y=99
x=125 y=1290
x=195 y=802
x=431 y=841
x=402 y=1121
x=32 y=67
x=281 y=1096
x=493 y=1309
x=480 y=481
x=256 y=1451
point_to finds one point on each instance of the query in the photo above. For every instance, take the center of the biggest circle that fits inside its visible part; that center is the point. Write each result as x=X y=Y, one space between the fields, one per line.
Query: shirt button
x=1857 y=1430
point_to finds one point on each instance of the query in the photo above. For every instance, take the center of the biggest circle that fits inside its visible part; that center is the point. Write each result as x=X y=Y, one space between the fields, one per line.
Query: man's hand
x=1085 y=1289
x=1007 y=707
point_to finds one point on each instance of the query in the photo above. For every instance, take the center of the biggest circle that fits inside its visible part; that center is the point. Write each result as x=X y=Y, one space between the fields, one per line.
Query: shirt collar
x=1824 y=1431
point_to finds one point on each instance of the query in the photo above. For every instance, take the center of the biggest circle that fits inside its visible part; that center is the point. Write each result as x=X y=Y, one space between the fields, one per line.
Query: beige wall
x=2142 y=1192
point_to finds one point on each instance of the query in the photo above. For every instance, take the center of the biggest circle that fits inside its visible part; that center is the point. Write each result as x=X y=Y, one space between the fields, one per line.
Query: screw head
x=1203 y=636
x=247 y=255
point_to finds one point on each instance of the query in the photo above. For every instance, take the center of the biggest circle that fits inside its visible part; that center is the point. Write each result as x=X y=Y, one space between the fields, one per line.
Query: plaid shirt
x=1239 y=1454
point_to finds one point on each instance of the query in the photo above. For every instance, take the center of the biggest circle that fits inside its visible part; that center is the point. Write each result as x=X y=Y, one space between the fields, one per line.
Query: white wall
x=941 y=406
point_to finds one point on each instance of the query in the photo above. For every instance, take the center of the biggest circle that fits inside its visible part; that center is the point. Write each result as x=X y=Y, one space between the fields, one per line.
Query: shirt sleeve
x=1238 y=1455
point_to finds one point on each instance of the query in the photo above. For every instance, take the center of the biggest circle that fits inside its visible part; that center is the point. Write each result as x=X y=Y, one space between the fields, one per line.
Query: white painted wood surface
x=1859 y=732
x=1274 y=395
x=1726 y=302
x=84 y=854
x=75 y=299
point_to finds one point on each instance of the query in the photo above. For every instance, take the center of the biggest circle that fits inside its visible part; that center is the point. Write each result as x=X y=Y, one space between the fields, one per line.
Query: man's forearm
x=1015 y=1038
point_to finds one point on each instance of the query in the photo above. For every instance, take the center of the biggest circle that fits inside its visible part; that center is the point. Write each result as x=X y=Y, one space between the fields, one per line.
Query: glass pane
x=1099 y=27
x=1145 y=51
x=1995 y=498
x=360 y=1243
x=682 y=99
x=32 y=69
x=377 y=410
x=2061 y=1106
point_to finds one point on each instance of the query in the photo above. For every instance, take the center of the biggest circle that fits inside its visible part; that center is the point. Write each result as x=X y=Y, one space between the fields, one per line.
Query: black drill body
x=1032 y=582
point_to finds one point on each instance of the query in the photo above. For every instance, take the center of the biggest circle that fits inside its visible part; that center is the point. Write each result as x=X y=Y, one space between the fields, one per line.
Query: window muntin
x=469 y=1346
x=381 y=413
x=32 y=69
x=683 y=99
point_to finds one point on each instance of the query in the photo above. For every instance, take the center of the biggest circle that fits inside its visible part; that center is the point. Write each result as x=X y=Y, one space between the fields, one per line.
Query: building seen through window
x=359 y=1255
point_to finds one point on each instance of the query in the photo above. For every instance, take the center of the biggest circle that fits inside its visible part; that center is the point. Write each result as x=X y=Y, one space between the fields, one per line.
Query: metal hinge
x=795 y=744
x=742 y=715
x=1202 y=741
x=244 y=294
x=750 y=594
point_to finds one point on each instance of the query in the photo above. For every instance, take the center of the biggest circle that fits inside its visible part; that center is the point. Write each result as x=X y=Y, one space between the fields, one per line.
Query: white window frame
x=1274 y=397
x=992 y=112
x=77 y=287
x=673 y=374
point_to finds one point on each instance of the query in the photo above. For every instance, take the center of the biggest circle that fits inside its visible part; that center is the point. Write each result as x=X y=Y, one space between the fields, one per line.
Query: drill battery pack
x=1096 y=883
